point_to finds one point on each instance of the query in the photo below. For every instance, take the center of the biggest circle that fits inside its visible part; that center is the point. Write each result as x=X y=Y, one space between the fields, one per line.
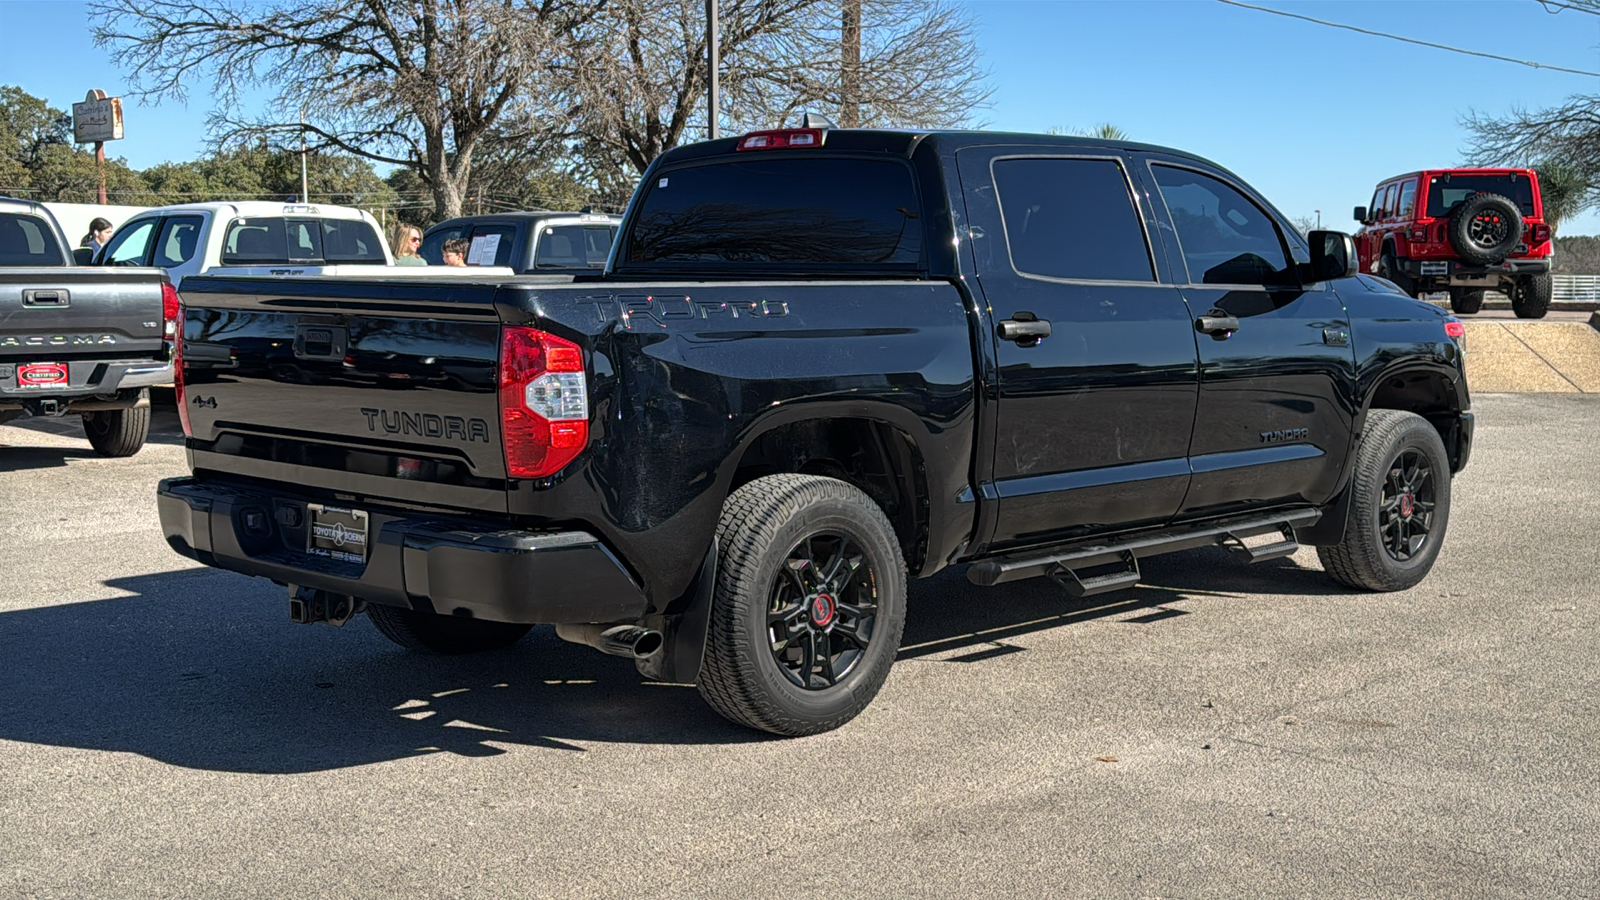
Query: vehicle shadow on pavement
x=203 y=669
x=947 y=613
x=20 y=458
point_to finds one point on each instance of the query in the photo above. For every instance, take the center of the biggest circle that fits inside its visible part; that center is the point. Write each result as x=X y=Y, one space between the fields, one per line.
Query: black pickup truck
x=819 y=362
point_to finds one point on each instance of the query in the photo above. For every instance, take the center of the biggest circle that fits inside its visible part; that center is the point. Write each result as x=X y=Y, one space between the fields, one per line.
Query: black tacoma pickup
x=819 y=362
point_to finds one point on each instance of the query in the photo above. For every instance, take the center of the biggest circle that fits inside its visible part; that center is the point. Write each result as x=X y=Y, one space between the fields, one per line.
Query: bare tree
x=422 y=84
x=638 y=86
x=1561 y=142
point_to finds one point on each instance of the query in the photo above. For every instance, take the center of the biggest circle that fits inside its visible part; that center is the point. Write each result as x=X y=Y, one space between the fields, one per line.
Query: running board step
x=1231 y=534
x=1087 y=586
x=1286 y=545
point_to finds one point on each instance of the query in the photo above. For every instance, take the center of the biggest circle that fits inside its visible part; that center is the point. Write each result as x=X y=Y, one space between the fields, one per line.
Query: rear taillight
x=1538 y=233
x=785 y=138
x=172 y=311
x=544 y=402
x=1417 y=233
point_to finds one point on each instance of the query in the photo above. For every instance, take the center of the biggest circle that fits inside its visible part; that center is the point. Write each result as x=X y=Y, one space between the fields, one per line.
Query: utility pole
x=850 y=65
x=714 y=65
x=305 y=192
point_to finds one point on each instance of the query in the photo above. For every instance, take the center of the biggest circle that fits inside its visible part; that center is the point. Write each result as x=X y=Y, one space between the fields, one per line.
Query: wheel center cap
x=822 y=611
x=1407 y=505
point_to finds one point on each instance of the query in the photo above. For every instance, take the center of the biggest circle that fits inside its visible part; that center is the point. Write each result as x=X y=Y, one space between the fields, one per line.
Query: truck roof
x=1464 y=170
x=254 y=208
x=904 y=141
x=25 y=207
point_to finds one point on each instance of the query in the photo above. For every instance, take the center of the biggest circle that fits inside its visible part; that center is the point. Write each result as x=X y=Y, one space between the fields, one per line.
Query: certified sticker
x=41 y=375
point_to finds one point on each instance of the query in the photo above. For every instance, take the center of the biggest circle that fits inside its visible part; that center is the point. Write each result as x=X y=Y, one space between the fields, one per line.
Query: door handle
x=1025 y=328
x=1218 y=324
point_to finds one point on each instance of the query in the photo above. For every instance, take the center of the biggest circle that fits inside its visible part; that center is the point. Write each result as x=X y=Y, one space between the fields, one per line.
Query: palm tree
x=1564 y=189
x=1104 y=130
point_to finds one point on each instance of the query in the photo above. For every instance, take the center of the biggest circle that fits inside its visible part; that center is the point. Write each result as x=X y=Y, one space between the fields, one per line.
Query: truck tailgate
x=377 y=391
x=76 y=325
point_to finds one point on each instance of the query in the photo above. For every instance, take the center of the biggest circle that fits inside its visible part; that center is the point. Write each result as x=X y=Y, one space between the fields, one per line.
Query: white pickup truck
x=248 y=238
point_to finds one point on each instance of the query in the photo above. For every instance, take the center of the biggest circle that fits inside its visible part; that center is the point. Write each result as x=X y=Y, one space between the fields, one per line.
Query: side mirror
x=1361 y=214
x=1333 y=255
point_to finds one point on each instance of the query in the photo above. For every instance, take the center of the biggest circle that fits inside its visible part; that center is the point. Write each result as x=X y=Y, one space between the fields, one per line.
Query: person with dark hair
x=99 y=234
x=455 y=252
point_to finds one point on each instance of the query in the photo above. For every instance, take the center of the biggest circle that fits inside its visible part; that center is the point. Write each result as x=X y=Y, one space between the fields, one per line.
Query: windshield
x=27 y=241
x=1445 y=191
x=798 y=213
x=275 y=240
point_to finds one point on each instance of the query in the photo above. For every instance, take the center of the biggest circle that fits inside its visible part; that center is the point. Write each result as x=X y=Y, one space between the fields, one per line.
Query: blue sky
x=1310 y=115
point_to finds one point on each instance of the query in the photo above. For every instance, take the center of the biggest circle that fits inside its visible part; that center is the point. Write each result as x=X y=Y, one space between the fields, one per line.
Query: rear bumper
x=87 y=378
x=432 y=564
x=1446 y=269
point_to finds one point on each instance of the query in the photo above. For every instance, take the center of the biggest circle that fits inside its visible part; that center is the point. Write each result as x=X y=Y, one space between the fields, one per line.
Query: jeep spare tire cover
x=1485 y=228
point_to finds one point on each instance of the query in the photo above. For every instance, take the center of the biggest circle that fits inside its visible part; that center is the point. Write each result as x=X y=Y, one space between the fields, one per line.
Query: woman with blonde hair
x=408 y=240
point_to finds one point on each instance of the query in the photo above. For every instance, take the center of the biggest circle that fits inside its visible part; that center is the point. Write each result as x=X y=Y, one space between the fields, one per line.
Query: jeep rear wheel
x=1485 y=228
x=808 y=608
x=1532 y=297
x=1466 y=301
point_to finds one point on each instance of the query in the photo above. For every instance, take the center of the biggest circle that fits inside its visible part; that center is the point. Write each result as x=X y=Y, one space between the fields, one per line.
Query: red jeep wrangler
x=1461 y=230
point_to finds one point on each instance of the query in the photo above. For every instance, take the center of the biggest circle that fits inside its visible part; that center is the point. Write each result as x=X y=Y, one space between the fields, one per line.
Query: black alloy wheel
x=809 y=605
x=1398 y=505
x=823 y=609
x=1405 y=513
x=1488 y=229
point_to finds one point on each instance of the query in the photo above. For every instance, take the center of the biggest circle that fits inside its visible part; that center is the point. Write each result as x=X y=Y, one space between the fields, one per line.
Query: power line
x=1547 y=4
x=1406 y=40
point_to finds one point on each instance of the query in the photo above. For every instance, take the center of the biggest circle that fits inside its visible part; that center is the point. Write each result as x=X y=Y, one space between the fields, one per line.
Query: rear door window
x=179 y=238
x=1072 y=218
x=1224 y=236
x=490 y=245
x=130 y=246
x=573 y=246
x=791 y=213
x=275 y=240
x=28 y=241
x=1408 y=198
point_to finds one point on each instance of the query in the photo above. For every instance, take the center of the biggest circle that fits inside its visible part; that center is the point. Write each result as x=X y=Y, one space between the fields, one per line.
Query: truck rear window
x=1445 y=192
x=27 y=241
x=274 y=240
x=823 y=213
x=573 y=246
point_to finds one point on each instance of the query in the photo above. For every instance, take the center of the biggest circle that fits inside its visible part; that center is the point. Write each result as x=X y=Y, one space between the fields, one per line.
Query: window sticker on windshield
x=483 y=249
x=662 y=183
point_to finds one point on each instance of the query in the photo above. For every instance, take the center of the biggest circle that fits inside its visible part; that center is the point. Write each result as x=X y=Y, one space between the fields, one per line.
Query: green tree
x=1563 y=190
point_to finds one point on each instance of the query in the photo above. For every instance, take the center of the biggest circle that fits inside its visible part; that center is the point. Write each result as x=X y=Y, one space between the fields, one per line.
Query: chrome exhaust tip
x=630 y=641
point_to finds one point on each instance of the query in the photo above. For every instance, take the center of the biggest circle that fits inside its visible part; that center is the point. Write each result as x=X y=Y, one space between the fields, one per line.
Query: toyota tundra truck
x=817 y=364
x=76 y=340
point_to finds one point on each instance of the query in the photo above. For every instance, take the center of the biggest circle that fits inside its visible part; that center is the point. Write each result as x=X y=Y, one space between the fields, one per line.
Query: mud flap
x=684 y=633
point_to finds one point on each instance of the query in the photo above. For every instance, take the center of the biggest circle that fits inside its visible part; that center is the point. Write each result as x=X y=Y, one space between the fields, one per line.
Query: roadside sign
x=97 y=118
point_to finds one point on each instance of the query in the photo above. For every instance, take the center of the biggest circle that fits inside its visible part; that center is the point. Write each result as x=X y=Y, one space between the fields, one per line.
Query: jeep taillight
x=1538 y=233
x=544 y=402
x=1417 y=232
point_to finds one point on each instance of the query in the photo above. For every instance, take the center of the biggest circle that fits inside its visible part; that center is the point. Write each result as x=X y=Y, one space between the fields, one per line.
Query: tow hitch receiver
x=308 y=605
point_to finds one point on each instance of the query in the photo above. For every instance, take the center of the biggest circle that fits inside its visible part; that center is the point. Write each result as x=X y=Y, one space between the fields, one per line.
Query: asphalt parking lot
x=1220 y=731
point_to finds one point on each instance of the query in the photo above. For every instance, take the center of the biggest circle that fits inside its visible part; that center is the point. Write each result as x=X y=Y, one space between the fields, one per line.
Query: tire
x=449 y=635
x=117 y=432
x=1378 y=552
x=1466 y=301
x=1532 y=298
x=1390 y=269
x=775 y=670
x=1485 y=228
